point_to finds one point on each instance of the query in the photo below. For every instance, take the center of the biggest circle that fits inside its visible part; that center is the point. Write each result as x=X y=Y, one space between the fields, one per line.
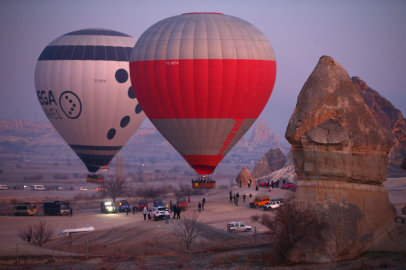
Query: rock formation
x=289 y=159
x=390 y=118
x=340 y=156
x=273 y=160
x=244 y=176
x=404 y=164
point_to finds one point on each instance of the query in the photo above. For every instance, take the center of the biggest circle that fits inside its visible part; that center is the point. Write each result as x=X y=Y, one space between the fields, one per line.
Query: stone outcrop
x=340 y=157
x=273 y=160
x=289 y=159
x=244 y=176
x=390 y=118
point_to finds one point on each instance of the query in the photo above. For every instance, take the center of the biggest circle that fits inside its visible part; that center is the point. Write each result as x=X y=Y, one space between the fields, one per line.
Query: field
x=118 y=237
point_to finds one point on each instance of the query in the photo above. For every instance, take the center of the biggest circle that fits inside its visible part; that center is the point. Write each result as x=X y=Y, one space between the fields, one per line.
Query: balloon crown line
x=202 y=13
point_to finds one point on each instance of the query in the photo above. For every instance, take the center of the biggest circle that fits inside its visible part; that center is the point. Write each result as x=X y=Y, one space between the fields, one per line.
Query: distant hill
x=19 y=136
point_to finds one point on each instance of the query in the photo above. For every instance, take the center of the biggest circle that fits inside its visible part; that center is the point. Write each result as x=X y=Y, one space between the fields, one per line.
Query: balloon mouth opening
x=204 y=169
x=202 y=13
x=92 y=168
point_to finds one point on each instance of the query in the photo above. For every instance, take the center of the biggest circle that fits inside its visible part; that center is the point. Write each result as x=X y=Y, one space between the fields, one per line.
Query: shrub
x=38 y=233
x=291 y=223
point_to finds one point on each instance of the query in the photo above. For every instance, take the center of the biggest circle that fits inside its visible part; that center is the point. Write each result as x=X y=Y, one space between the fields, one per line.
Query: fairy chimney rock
x=244 y=176
x=340 y=157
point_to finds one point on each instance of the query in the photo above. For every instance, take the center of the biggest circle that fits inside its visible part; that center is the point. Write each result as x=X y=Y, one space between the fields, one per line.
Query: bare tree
x=291 y=224
x=38 y=233
x=187 y=229
x=116 y=187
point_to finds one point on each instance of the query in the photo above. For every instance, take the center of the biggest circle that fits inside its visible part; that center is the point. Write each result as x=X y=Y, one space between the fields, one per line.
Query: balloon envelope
x=203 y=79
x=83 y=86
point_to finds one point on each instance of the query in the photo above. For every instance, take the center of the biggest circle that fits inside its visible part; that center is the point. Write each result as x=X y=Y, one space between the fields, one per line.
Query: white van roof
x=79 y=230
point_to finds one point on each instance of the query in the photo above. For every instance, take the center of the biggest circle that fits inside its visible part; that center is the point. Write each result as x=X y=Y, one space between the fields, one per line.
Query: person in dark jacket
x=134 y=209
x=231 y=198
x=174 y=210
x=243 y=197
x=178 y=210
x=199 y=207
x=203 y=202
x=71 y=211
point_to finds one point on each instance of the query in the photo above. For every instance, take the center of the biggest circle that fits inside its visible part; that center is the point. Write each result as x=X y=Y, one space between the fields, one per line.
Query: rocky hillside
x=390 y=118
x=273 y=160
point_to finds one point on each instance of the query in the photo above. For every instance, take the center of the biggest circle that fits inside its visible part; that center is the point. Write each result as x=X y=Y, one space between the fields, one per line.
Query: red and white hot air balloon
x=203 y=79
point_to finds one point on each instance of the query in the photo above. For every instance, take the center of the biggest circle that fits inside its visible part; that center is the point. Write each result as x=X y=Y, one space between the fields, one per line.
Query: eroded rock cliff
x=273 y=160
x=340 y=157
x=390 y=118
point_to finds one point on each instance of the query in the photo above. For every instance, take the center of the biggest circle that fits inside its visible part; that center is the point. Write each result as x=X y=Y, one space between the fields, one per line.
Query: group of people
x=203 y=180
x=200 y=206
x=249 y=183
x=235 y=198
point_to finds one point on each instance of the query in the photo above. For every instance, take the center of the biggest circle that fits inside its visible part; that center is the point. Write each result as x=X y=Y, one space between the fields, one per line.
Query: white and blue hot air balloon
x=83 y=85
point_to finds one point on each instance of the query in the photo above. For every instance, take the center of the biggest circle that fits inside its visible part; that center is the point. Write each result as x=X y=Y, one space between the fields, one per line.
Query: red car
x=288 y=185
x=264 y=184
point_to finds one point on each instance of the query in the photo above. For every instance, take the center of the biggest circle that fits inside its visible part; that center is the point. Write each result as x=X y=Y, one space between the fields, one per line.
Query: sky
x=368 y=38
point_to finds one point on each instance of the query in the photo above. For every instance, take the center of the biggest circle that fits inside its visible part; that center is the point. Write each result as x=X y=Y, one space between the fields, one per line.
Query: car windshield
x=161 y=208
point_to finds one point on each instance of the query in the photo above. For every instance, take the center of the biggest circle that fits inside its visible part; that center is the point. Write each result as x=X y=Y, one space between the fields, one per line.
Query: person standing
x=134 y=209
x=236 y=201
x=166 y=216
x=127 y=210
x=170 y=206
x=238 y=195
x=243 y=197
x=71 y=211
x=240 y=183
x=272 y=184
x=145 y=213
x=199 y=207
x=189 y=201
x=178 y=210
x=249 y=183
x=234 y=198
x=174 y=211
x=203 y=202
x=231 y=198
x=250 y=197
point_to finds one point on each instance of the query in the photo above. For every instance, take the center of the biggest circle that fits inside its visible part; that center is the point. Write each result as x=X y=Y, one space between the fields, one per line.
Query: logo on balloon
x=70 y=104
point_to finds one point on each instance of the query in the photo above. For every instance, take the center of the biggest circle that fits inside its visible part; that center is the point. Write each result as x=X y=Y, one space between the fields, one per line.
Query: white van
x=3 y=187
x=37 y=187
x=74 y=231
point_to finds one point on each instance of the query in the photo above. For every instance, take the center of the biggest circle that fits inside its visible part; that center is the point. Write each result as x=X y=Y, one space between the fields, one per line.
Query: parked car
x=37 y=187
x=260 y=200
x=158 y=202
x=4 y=187
x=107 y=207
x=82 y=188
x=141 y=205
x=25 y=209
x=263 y=184
x=237 y=227
x=181 y=203
x=287 y=185
x=273 y=204
x=123 y=205
x=294 y=188
x=157 y=213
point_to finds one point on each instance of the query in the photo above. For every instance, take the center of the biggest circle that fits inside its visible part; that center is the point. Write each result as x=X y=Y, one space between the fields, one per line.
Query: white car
x=83 y=188
x=157 y=213
x=237 y=227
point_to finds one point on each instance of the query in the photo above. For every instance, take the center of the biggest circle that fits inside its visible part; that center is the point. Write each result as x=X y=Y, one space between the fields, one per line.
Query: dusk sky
x=368 y=38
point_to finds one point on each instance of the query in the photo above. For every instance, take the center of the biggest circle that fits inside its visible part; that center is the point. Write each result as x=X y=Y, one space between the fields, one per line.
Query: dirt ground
x=135 y=241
